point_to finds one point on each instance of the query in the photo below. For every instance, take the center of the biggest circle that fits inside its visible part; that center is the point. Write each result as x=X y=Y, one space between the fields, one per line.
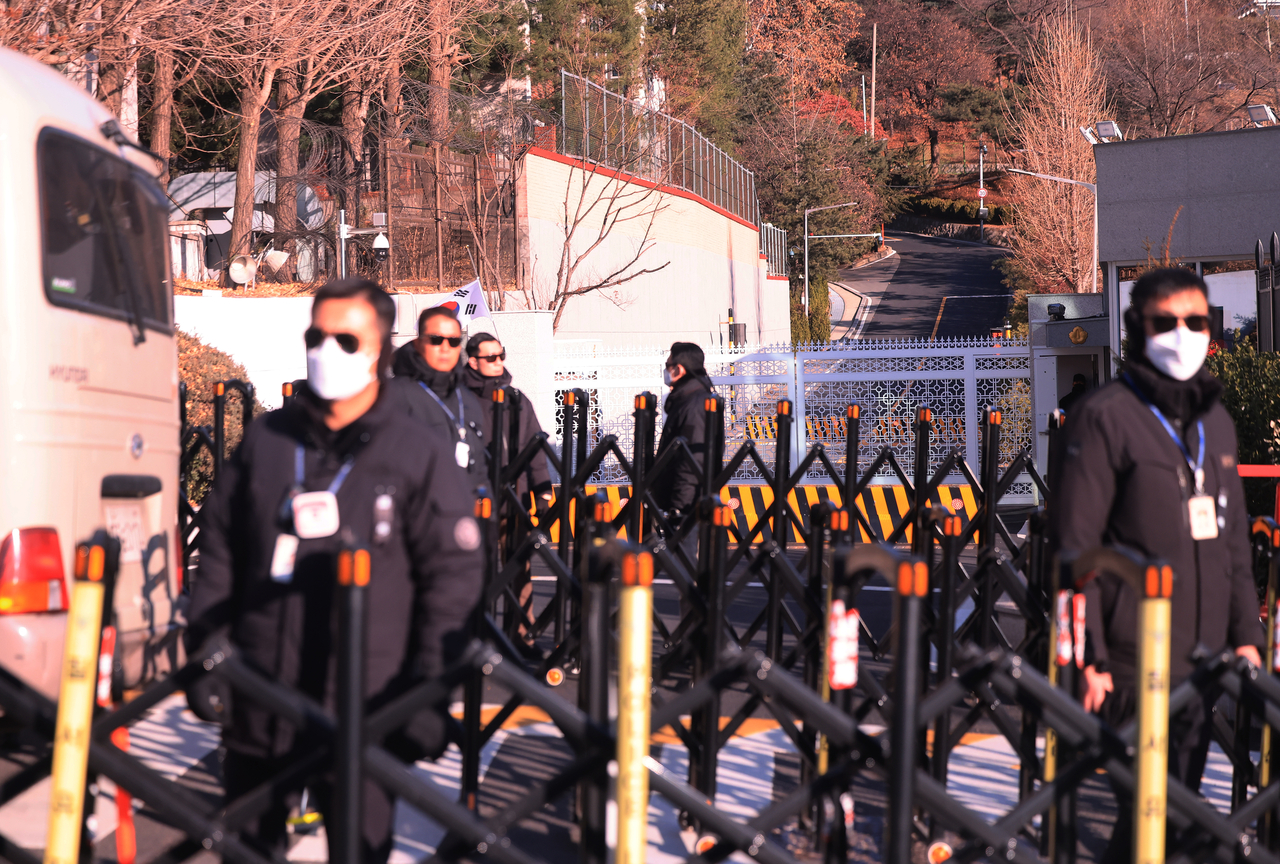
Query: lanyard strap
x=299 y=470
x=460 y=420
x=1197 y=467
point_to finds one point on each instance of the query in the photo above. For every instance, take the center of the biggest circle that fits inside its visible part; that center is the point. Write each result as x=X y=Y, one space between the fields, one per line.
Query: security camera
x=381 y=247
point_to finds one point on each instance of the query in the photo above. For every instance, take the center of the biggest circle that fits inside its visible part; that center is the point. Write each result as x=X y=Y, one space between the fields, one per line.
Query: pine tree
x=600 y=40
x=697 y=49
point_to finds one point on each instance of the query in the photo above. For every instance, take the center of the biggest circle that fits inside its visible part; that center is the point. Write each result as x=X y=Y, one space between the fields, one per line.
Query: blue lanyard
x=299 y=470
x=461 y=419
x=1197 y=467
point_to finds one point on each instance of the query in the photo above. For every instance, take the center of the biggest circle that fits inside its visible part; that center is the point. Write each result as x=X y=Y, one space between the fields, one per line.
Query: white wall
x=264 y=334
x=706 y=262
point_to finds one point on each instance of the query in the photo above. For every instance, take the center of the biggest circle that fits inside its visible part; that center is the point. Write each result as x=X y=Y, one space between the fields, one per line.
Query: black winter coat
x=686 y=408
x=1123 y=480
x=411 y=374
x=537 y=477
x=425 y=577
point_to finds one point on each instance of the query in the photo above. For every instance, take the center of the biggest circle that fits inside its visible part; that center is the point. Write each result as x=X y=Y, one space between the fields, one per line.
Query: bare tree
x=1180 y=67
x=1054 y=237
x=251 y=42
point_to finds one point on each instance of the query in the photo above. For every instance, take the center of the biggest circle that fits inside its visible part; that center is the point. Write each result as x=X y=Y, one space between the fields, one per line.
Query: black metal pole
x=920 y=539
x=353 y=578
x=219 y=427
x=952 y=528
x=714 y=519
x=841 y=642
x=780 y=526
x=852 y=441
x=473 y=689
x=987 y=547
x=912 y=586
x=641 y=453
x=593 y=690
x=565 y=502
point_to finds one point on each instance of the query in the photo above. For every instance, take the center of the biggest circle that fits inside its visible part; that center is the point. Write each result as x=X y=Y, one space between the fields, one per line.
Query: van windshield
x=105 y=228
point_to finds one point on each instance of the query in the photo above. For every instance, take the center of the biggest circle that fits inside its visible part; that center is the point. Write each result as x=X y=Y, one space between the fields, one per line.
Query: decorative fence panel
x=890 y=380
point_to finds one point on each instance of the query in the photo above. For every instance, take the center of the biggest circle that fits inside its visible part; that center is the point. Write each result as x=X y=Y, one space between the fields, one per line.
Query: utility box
x=1070 y=336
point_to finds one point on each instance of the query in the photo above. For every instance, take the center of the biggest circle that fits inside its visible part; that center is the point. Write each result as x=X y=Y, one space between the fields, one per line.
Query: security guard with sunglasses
x=1149 y=463
x=428 y=386
x=340 y=464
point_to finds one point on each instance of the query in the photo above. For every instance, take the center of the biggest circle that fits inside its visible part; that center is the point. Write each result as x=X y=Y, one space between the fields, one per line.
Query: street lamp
x=1260 y=115
x=1092 y=188
x=822 y=237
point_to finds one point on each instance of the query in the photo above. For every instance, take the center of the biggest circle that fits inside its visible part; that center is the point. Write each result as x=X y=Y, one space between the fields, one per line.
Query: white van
x=88 y=376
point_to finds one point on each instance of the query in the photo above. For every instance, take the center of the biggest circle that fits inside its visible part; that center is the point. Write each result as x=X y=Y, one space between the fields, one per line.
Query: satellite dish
x=242 y=269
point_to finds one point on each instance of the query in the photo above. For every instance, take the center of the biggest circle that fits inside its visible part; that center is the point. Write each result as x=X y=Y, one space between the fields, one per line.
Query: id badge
x=1204 y=517
x=315 y=515
x=462 y=454
x=284 y=557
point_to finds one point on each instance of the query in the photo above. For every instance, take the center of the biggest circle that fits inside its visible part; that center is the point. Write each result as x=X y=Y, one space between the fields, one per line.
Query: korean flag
x=467 y=302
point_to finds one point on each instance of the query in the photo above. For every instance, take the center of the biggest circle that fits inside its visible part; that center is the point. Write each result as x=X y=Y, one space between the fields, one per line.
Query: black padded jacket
x=686 y=409
x=1122 y=479
x=425 y=577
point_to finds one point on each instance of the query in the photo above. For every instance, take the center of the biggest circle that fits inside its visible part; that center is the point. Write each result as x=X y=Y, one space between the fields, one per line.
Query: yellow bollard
x=635 y=670
x=1152 y=762
x=75 y=707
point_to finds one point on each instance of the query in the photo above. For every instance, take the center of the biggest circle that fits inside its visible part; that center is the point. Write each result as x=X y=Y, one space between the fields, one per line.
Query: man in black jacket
x=677 y=488
x=428 y=387
x=341 y=463
x=1150 y=463
x=485 y=372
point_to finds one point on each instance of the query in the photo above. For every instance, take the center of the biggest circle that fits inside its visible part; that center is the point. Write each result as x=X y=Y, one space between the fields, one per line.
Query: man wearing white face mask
x=341 y=463
x=1150 y=463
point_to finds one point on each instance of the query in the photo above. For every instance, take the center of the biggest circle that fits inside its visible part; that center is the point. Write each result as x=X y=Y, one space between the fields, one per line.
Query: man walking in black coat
x=342 y=463
x=428 y=386
x=676 y=489
x=1150 y=463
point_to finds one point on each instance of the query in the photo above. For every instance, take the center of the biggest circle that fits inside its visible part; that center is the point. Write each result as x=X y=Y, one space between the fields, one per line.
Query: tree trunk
x=289 y=127
x=355 y=110
x=111 y=61
x=439 y=76
x=162 y=87
x=391 y=99
x=251 y=105
x=933 y=149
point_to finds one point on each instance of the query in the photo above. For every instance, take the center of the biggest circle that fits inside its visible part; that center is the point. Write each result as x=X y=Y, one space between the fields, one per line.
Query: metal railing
x=608 y=129
x=773 y=245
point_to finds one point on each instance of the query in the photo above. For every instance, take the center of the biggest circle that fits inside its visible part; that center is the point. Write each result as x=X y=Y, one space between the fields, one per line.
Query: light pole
x=1092 y=187
x=822 y=237
x=982 y=195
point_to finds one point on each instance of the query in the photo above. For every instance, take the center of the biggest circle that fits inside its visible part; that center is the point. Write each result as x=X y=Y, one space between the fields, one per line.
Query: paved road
x=933 y=288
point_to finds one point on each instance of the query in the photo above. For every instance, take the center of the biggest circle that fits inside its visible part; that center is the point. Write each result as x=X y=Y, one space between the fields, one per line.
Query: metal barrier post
x=348 y=799
x=705 y=722
x=952 y=528
x=497 y=456
x=593 y=685
x=1151 y=764
x=565 y=502
x=839 y=678
x=641 y=454
x=821 y=518
x=286 y=394
x=473 y=690
x=1058 y=840
x=912 y=588
x=780 y=525
x=219 y=427
x=920 y=540
x=1269 y=765
x=92 y=592
x=635 y=648
x=991 y=422
x=852 y=441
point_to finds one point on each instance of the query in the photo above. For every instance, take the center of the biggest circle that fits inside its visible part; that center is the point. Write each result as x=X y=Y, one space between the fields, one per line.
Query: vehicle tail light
x=31 y=575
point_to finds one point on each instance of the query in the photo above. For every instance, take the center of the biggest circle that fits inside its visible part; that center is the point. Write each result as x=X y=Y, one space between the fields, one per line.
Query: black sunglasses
x=314 y=338
x=1167 y=323
x=489 y=358
x=434 y=339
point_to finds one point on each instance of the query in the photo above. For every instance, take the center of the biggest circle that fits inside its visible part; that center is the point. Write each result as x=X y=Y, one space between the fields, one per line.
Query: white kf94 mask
x=1179 y=353
x=334 y=374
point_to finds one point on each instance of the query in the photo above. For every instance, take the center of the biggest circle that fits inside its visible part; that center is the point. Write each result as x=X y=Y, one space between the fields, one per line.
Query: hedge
x=949 y=210
x=200 y=367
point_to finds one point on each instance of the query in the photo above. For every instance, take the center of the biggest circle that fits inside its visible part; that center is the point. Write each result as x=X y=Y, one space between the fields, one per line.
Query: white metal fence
x=956 y=379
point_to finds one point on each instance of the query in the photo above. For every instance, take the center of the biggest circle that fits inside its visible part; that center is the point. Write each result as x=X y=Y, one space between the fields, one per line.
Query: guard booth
x=1070 y=335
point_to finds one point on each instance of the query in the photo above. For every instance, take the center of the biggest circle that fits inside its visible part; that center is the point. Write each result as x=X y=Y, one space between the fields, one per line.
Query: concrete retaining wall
x=706 y=261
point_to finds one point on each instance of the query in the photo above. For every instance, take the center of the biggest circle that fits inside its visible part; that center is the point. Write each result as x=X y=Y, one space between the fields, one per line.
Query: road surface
x=933 y=288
